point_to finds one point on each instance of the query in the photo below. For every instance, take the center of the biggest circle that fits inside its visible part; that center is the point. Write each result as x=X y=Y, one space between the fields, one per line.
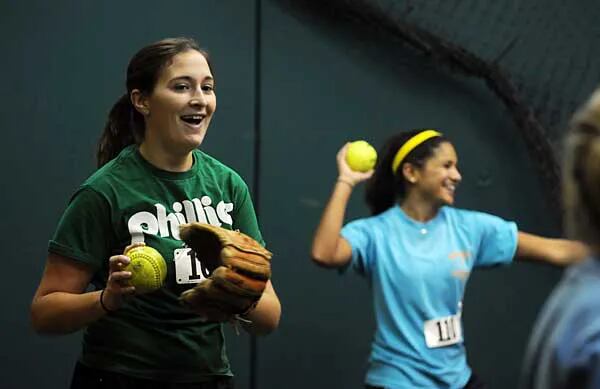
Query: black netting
x=537 y=56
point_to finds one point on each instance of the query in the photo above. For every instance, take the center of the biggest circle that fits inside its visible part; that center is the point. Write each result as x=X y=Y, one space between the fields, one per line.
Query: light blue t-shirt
x=564 y=349
x=418 y=273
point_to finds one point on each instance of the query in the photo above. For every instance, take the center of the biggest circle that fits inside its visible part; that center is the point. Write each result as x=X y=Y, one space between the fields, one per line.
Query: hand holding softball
x=117 y=285
x=355 y=161
x=140 y=269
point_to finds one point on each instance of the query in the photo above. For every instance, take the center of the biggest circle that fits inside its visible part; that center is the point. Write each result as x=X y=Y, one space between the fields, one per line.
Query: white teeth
x=193 y=119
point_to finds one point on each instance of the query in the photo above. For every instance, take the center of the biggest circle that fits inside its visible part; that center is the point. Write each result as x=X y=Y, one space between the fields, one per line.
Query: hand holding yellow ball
x=361 y=156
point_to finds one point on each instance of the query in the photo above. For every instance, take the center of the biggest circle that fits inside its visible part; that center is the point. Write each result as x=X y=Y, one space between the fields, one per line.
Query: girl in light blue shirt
x=418 y=251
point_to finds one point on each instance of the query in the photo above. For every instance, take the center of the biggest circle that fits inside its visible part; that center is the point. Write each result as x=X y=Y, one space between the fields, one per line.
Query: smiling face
x=179 y=110
x=437 y=180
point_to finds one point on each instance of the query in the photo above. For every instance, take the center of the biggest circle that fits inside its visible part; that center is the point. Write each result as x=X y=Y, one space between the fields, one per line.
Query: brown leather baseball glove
x=239 y=269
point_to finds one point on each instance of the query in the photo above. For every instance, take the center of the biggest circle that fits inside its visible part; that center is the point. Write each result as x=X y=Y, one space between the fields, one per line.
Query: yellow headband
x=410 y=145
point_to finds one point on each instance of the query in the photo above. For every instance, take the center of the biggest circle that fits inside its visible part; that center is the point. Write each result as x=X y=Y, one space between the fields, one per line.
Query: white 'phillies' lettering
x=187 y=211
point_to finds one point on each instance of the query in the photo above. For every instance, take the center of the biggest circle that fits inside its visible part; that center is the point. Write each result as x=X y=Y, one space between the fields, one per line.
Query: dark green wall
x=63 y=66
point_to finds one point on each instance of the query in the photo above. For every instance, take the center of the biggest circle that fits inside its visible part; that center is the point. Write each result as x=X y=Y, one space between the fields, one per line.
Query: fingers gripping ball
x=361 y=156
x=148 y=268
x=240 y=269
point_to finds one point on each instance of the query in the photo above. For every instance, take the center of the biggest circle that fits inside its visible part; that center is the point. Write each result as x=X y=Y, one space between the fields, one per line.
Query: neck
x=418 y=209
x=166 y=159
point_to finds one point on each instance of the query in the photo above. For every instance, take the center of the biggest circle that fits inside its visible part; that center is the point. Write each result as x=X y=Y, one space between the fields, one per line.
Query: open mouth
x=192 y=119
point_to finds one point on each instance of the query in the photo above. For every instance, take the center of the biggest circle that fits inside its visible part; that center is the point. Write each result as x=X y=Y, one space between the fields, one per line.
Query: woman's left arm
x=265 y=316
x=560 y=252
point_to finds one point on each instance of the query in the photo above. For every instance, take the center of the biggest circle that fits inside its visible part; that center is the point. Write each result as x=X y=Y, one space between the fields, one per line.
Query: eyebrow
x=191 y=79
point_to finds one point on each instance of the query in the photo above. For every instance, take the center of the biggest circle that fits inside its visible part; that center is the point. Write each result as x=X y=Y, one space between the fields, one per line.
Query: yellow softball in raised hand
x=361 y=156
x=148 y=269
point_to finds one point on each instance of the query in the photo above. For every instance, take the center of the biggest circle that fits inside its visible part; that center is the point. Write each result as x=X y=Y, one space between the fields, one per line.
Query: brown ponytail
x=124 y=127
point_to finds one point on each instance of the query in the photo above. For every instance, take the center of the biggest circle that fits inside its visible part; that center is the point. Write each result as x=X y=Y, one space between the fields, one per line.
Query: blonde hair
x=581 y=173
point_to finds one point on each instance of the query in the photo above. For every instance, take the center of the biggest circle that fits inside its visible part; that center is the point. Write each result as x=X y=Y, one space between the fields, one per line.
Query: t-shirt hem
x=171 y=376
x=391 y=385
x=392 y=381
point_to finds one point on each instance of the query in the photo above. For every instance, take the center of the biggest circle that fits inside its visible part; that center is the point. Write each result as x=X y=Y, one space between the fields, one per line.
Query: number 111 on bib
x=443 y=331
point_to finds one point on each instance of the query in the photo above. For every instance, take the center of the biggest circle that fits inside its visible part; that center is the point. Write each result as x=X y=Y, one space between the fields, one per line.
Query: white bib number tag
x=188 y=269
x=443 y=331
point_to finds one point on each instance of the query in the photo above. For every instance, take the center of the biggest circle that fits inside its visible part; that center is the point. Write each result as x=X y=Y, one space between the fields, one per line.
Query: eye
x=208 y=88
x=181 y=87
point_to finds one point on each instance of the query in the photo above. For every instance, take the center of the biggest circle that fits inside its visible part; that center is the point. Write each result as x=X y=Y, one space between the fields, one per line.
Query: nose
x=456 y=176
x=198 y=99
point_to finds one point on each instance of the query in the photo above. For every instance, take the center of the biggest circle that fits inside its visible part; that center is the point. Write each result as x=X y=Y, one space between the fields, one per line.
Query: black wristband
x=102 y=303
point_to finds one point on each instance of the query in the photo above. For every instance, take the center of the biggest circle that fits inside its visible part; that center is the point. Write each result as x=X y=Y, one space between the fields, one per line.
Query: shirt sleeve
x=244 y=214
x=358 y=234
x=496 y=240
x=84 y=230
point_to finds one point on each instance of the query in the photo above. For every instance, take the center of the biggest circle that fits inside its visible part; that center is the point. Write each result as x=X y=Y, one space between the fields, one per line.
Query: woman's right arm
x=329 y=248
x=60 y=305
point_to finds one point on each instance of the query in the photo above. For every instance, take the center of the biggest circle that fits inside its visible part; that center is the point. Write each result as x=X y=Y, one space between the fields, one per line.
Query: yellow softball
x=361 y=156
x=148 y=268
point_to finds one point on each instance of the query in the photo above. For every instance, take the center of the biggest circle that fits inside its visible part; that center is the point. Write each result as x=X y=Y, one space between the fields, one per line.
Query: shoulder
x=582 y=283
x=120 y=167
x=375 y=222
x=209 y=165
x=574 y=302
x=464 y=214
x=574 y=308
x=470 y=217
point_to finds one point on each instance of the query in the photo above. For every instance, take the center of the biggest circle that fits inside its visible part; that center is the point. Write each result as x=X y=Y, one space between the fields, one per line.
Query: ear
x=410 y=172
x=140 y=102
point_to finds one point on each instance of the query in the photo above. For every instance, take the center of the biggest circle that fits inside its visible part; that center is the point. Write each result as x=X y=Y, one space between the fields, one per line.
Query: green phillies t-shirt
x=128 y=200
